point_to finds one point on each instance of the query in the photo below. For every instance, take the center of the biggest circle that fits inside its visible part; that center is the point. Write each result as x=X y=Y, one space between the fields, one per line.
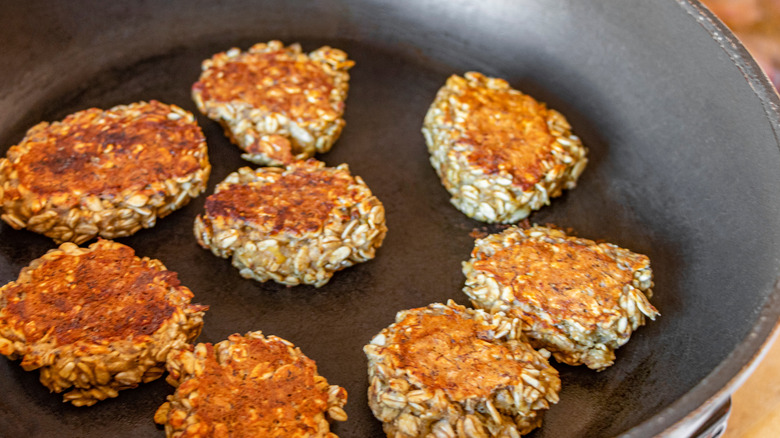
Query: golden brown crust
x=250 y=386
x=95 y=320
x=445 y=351
x=267 y=387
x=104 y=172
x=104 y=295
x=507 y=131
x=295 y=225
x=105 y=152
x=272 y=82
x=298 y=201
x=499 y=152
x=445 y=370
x=579 y=299
x=567 y=279
x=275 y=102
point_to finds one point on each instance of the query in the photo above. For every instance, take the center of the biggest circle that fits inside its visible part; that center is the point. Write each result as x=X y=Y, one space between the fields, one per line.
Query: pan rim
x=721 y=381
x=685 y=415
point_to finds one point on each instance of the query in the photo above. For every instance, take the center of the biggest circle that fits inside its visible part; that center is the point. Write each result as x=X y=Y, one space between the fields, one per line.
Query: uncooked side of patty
x=449 y=371
x=95 y=320
x=249 y=386
x=579 y=299
x=103 y=173
x=499 y=152
x=276 y=103
x=295 y=225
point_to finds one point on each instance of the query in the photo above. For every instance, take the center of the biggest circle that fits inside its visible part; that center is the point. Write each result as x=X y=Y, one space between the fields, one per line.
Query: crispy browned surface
x=95 y=321
x=248 y=386
x=233 y=393
x=104 y=173
x=565 y=279
x=272 y=82
x=449 y=371
x=298 y=201
x=508 y=131
x=275 y=102
x=450 y=352
x=103 y=295
x=294 y=225
x=104 y=152
x=578 y=299
x=498 y=152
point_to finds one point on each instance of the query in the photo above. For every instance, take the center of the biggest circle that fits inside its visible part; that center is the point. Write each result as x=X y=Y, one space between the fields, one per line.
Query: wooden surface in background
x=755 y=409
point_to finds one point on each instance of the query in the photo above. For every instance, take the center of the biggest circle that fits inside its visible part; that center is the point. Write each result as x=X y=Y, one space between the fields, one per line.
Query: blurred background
x=757 y=24
x=755 y=410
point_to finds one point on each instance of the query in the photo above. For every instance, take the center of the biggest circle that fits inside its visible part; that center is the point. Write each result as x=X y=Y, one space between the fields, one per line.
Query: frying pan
x=682 y=131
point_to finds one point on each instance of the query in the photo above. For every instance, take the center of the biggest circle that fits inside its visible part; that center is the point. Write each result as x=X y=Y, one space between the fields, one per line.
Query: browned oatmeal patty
x=446 y=371
x=107 y=173
x=249 y=386
x=500 y=153
x=578 y=299
x=294 y=225
x=95 y=320
x=275 y=102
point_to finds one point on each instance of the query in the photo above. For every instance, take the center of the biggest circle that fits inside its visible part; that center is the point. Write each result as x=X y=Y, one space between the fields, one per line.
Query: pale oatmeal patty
x=295 y=225
x=499 y=152
x=449 y=371
x=579 y=299
x=249 y=386
x=95 y=320
x=276 y=103
x=103 y=173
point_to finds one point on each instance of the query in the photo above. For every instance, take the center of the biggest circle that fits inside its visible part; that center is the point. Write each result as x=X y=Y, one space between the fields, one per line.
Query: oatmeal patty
x=579 y=299
x=500 y=153
x=447 y=371
x=95 y=320
x=294 y=225
x=107 y=173
x=248 y=386
x=275 y=102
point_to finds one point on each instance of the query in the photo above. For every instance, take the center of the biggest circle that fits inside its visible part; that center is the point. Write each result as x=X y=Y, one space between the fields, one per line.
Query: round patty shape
x=275 y=102
x=500 y=153
x=578 y=299
x=107 y=173
x=295 y=225
x=449 y=371
x=95 y=320
x=248 y=386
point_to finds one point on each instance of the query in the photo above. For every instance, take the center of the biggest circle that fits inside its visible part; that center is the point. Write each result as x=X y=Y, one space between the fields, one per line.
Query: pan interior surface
x=683 y=150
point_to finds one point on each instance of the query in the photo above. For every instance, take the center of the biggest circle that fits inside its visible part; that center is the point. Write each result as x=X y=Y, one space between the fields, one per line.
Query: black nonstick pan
x=682 y=130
